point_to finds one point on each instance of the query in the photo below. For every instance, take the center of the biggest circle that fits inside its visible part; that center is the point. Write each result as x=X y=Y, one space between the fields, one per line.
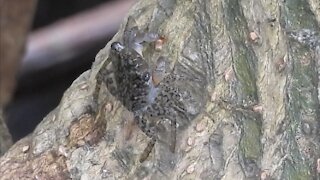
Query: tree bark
x=260 y=91
x=5 y=137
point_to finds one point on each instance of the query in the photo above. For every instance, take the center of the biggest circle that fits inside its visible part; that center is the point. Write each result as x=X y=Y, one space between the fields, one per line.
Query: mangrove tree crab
x=156 y=98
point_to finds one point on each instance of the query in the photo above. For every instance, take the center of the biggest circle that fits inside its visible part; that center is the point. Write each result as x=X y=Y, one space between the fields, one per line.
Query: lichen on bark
x=260 y=115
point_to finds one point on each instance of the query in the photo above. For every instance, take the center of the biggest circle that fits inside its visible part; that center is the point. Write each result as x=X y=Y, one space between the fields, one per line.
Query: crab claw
x=159 y=71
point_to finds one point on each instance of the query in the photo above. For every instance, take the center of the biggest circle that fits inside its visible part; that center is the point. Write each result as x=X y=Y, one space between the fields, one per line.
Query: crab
x=148 y=91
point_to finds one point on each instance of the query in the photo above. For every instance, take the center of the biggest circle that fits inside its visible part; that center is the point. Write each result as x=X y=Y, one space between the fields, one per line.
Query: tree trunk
x=5 y=137
x=15 y=21
x=258 y=98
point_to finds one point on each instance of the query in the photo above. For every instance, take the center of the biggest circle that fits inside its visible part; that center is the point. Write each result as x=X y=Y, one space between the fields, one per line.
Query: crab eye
x=146 y=76
x=117 y=46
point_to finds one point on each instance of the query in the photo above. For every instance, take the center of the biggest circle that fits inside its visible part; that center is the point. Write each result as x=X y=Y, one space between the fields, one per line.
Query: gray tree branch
x=260 y=114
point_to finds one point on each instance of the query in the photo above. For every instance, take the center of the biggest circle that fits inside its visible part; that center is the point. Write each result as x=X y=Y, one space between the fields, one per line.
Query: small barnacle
x=214 y=96
x=159 y=43
x=108 y=107
x=265 y=175
x=25 y=148
x=190 y=168
x=84 y=86
x=190 y=141
x=200 y=126
x=229 y=74
x=257 y=108
x=281 y=63
x=63 y=151
x=253 y=36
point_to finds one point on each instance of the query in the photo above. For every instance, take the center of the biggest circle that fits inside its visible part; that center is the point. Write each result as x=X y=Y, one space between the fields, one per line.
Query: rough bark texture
x=5 y=137
x=260 y=118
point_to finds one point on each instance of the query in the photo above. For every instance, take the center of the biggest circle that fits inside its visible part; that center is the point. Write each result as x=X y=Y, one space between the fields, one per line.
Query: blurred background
x=44 y=46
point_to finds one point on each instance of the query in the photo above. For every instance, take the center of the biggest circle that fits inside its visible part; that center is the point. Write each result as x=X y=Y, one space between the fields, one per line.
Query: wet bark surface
x=259 y=90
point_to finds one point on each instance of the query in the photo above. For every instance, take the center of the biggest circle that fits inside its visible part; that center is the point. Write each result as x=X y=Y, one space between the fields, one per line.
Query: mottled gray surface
x=5 y=138
x=260 y=88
